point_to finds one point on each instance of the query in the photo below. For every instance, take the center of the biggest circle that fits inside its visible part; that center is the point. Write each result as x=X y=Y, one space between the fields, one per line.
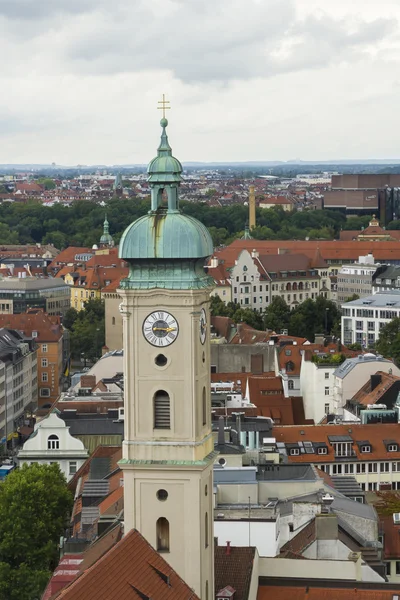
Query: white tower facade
x=168 y=450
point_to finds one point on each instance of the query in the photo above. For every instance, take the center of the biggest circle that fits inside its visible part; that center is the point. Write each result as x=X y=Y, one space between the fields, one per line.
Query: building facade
x=51 y=443
x=18 y=294
x=18 y=381
x=168 y=450
x=356 y=278
x=363 y=319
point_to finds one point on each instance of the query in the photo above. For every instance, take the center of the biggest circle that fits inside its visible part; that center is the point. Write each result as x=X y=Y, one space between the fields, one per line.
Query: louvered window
x=162 y=410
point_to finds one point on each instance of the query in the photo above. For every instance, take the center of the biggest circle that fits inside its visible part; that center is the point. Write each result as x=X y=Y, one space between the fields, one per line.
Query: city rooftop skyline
x=248 y=80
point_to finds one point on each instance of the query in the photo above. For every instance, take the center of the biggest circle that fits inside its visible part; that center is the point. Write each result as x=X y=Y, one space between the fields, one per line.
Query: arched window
x=291 y=384
x=288 y=287
x=162 y=533
x=206 y=531
x=294 y=286
x=162 y=410
x=113 y=320
x=204 y=406
x=53 y=443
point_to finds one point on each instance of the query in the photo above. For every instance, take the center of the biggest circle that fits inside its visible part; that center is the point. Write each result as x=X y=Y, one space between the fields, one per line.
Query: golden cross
x=163 y=106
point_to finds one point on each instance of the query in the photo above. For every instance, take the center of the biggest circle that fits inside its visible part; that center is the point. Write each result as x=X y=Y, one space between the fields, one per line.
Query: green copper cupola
x=165 y=248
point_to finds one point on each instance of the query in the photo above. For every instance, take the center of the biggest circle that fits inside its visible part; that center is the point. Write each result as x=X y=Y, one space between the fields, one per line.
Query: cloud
x=211 y=40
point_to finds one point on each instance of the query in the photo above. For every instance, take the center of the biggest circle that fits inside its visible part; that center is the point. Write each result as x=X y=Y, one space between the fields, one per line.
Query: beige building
x=113 y=317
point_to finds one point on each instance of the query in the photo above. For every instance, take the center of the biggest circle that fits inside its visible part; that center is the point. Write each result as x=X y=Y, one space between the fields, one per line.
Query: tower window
x=161 y=360
x=113 y=320
x=162 y=533
x=206 y=530
x=204 y=402
x=53 y=443
x=162 y=495
x=162 y=410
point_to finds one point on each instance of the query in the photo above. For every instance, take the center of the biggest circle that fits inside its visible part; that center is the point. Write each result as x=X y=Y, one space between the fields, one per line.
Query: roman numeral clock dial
x=160 y=329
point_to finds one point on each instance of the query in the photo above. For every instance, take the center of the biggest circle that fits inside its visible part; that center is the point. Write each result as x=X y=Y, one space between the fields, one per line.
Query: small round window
x=162 y=495
x=222 y=462
x=161 y=360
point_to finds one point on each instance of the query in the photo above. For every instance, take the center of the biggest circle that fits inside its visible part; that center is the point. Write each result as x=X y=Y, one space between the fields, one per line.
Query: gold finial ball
x=164 y=122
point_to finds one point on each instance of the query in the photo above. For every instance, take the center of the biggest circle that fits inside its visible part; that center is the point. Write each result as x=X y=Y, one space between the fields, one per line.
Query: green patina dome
x=166 y=236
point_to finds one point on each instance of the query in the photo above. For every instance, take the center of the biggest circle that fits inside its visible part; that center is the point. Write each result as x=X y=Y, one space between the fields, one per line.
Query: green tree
x=47 y=183
x=276 y=315
x=388 y=503
x=70 y=317
x=34 y=505
x=88 y=330
x=314 y=316
x=388 y=343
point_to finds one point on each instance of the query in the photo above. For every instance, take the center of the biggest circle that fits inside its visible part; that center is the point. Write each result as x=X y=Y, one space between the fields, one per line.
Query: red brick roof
x=302 y=540
x=130 y=570
x=67 y=256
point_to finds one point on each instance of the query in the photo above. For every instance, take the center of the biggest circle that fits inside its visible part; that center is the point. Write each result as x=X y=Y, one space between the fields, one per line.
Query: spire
x=164 y=173
x=106 y=239
x=247 y=235
x=106 y=226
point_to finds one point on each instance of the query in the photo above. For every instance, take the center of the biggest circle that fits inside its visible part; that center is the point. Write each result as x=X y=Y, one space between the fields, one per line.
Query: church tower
x=168 y=451
x=106 y=240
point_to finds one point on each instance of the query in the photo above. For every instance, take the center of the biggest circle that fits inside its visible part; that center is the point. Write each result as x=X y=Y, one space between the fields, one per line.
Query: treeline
x=306 y=320
x=81 y=224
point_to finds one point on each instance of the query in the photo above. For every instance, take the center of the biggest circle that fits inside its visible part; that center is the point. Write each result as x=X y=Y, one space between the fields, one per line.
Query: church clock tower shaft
x=168 y=450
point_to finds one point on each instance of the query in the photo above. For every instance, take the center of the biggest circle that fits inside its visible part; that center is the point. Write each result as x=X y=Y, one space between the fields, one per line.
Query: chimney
x=221 y=431
x=213 y=262
x=228 y=548
x=255 y=253
x=252 y=207
x=376 y=379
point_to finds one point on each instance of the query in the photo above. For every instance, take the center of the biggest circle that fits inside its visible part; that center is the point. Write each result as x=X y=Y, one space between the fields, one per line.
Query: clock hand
x=164 y=328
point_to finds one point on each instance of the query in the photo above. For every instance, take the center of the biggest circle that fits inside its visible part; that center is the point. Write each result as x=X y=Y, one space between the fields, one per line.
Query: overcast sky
x=247 y=79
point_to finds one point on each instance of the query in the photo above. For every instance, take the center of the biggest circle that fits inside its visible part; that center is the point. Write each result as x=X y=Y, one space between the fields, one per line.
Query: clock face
x=203 y=326
x=160 y=329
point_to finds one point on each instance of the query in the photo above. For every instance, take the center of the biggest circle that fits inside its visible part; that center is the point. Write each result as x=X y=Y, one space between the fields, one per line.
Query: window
x=322 y=450
x=326 y=391
x=113 y=321
x=44 y=347
x=365 y=448
x=327 y=408
x=397 y=567
x=392 y=448
x=53 y=443
x=162 y=410
x=291 y=384
x=162 y=534
x=289 y=366
x=372 y=467
x=326 y=375
x=388 y=564
x=360 y=467
x=45 y=377
x=34 y=334
x=72 y=467
x=45 y=362
x=204 y=406
x=206 y=531
x=294 y=452
x=44 y=392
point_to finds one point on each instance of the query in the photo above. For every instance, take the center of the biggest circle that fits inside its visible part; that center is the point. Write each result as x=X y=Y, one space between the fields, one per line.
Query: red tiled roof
x=302 y=540
x=235 y=569
x=365 y=396
x=48 y=328
x=112 y=502
x=67 y=255
x=306 y=592
x=130 y=570
x=374 y=433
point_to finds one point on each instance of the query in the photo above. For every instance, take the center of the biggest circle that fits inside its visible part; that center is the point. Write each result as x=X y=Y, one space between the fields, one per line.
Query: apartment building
x=362 y=319
x=356 y=278
x=257 y=279
x=53 y=350
x=386 y=279
x=18 y=381
x=18 y=294
x=370 y=453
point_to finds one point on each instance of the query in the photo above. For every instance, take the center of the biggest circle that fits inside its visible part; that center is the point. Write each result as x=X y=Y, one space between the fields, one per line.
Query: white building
x=356 y=278
x=50 y=443
x=363 y=318
x=316 y=383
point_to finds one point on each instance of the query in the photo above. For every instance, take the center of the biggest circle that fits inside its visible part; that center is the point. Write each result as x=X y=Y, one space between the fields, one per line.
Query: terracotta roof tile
x=127 y=568
x=306 y=592
x=374 y=433
x=365 y=396
x=234 y=569
x=302 y=540
x=48 y=328
x=391 y=537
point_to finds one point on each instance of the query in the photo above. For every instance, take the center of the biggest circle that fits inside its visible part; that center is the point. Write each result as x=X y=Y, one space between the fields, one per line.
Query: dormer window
x=365 y=448
x=294 y=452
x=322 y=450
x=392 y=448
x=34 y=334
